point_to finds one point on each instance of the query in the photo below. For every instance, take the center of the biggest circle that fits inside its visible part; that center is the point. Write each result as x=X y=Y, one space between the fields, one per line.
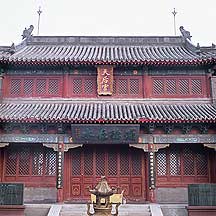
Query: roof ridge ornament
x=186 y=34
x=12 y=48
x=27 y=33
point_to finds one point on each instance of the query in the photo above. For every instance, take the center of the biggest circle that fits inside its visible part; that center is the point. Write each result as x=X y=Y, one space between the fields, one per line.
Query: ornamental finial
x=27 y=32
x=185 y=34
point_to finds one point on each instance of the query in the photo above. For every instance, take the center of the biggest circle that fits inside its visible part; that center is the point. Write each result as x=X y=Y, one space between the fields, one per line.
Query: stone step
x=124 y=210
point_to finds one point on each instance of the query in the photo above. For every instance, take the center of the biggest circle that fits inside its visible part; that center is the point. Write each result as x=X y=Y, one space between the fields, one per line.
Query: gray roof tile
x=71 y=112
x=107 y=50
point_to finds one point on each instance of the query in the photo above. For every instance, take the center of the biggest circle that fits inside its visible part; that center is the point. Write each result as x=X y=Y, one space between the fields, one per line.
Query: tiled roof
x=5 y=52
x=106 y=112
x=108 y=50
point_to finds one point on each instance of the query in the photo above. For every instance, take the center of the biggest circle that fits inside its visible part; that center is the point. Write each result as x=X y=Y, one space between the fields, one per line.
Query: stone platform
x=124 y=210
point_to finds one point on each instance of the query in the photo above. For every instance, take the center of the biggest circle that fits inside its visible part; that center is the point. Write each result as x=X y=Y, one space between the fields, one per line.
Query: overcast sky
x=109 y=17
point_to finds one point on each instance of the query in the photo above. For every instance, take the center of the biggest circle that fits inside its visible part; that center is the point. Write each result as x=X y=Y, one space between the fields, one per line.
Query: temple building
x=139 y=110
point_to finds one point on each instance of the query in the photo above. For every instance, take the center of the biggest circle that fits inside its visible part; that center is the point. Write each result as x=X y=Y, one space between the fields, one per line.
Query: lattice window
x=24 y=158
x=100 y=163
x=184 y=87
x=37 y=163
x=124 y=163
x=15 y=88
x=76 y=162
x=161 y=158
x=196 y=86
x=158 y=87
x=28 y=86
x=188 y=158
x=41 y=86
x=114 y=87
x=29 y=161
x=183 y=160
x=11 y=163
x=112 y=163
x=123 y=87
x=77 y=86
x=53 y=87
x=136 y=161
x=50 y=162
x=88 y=162
x=171 y=87
x=88 y=86
x=202 y=163
x=134 y=86
x=175 y=162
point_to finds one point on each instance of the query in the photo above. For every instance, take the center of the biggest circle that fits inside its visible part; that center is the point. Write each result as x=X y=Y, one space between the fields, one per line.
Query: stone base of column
x=152 y=197
x=60 y=198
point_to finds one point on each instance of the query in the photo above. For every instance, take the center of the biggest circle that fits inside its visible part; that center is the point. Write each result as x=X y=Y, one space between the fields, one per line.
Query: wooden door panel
x=86 y=187
x=123 y=167
x=88 y=179
x=125 y=188
x=136 y=190
x=135 y=180
x=76 y=180
x=124 y=179
x=76 y=190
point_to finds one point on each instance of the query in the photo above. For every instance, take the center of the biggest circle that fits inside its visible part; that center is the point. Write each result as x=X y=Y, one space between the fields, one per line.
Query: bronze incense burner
x=104 y=200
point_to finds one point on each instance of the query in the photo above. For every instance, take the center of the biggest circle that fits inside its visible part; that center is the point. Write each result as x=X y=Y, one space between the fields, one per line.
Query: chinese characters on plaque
x=105 y=80
x=109 y=134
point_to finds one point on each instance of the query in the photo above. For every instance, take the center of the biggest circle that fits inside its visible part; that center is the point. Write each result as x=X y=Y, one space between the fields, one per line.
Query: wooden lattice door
x=123 y=167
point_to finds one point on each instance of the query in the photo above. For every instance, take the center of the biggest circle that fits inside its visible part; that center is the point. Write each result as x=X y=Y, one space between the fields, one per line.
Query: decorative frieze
x=29 y=138
x=176 y=72
x=204 y=128
x=152 y=148
x=71 y=146
x=2 y=145
x=110 y=135
x=210 y=146
x=186 y=128
x=34 y=72
x=189 y=138
x=169 y=128
x=54 y=146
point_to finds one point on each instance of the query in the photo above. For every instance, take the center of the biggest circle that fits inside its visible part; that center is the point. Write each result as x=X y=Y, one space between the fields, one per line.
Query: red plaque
x=105 y=80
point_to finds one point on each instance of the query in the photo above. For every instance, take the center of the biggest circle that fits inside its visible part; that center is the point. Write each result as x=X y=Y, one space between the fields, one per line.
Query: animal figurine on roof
x=185 y=34
x=27 y=32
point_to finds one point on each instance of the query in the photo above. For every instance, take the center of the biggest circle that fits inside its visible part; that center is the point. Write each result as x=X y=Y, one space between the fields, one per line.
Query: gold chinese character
x=105 y=72
x=105 y=87
x=105 y=79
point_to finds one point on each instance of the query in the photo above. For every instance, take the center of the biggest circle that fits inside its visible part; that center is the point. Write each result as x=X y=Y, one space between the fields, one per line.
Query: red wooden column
x=1 y=83
x=59 y=176
x=150 y=149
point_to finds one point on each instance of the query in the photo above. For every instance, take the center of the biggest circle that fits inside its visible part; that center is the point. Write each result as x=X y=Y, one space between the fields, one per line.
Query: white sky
x=110 y=17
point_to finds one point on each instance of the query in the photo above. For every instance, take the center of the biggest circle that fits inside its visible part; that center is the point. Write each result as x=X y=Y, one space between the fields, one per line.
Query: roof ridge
x=104 y=40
